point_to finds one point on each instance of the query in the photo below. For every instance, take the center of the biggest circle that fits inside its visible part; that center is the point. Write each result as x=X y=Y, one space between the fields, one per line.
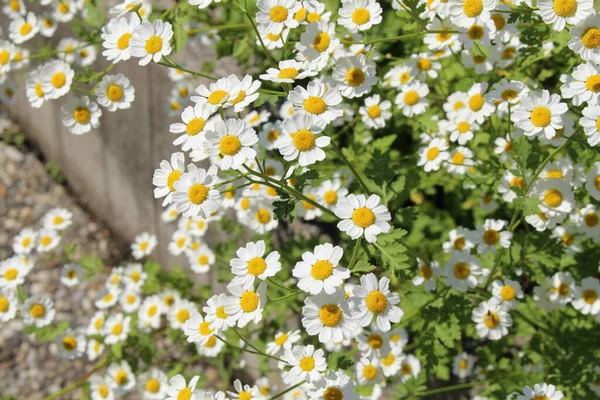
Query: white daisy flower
x=149 y=313
x=359 y=15
x=587 y=297
x=555 y=195
x=100 y=388
x=307 y=363
x=197 y=329
x=47 y=240
x=492 y=320
x=361 y=216
x=317 y=43
x=288 y=71
x=329 y=316
x=585 y=38
x=460 y=161
x=33 y=87
x=211 y=348
x=592 y=183
x=589 y=222
x=178 y=389
x=143 y=244
x=591 y=124
x=462 y=130
x=130 y=301
x=283 y=341
x=120 y=377
x=215 y=313
x=153 y=384
x=150 y=41
x=115 y=92
x=247 y=94
x=23 y=28
x=117 y=34
x=270 y=134
x=540 y=391
x=336 y=385
x=65 y=10
x=462 y=366
x=193 y=128
x=9 y=304
x=375 y=112
x=562 y=12
x=58 y=219
x=412 y=98
x=316 y=100
x=116 y=328
x=539 y=112
x=459 y=240
x=275 y=15
x=243 y=392
x=427 y=271
x=165 y=177
x=355 y=75
x=201 y=259
x=368 y=371
x=232 y=142
x=56 y=77
x=461 y=271
x=81 y=115
x=194 y=194
x=374 y=299
x=71 y=345
x=272 y=40
x=300 y=140
x=331 y=192
x=48 y=25
x=260 y=217
x=38 y=311
x=465 y=13
x=506 y=92
x=24 y=242
x=251 y=264
x=180 y=312
x=506 y=292
x=71 y=275
x=489 y=235
x=245 y=304
x=319 y=271
x=219 y=93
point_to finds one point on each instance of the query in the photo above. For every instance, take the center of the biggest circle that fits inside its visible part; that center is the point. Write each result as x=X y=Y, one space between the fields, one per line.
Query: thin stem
x=219 y=28
x=349 y=164
x=451 y=388
x=354 y=254
x=172 y=64
x=287 y=296
x=417 y=310
x=80 y=382
x=255 y=348
x=278 y=395
x=270 y=280
x=267 y=52
x=246 y=350
x=532 y=323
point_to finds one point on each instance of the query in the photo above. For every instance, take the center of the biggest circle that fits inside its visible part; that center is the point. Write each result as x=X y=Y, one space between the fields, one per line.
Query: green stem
x=287 y=296
x=349 y=164
x=267 y=52
x=354 y=254
x=246 y=350
x=278 y=395
x=270 y=280
x=532 y=323
x=172 y=64
x=80 y=382
x=219 y=28
x=451 y=388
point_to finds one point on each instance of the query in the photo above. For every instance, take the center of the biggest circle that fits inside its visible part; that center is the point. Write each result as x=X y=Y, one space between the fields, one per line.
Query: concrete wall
x=110 y=169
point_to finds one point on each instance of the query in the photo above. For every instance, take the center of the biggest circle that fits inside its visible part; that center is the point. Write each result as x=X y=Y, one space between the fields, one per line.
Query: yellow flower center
x=361 y=16
x=355 y=77
x=300 y=14
x=217 y=97
x=220 y=313
x=476 y=102
x=114 y=93
x=565 y=8
x=491 y=319
x=278 y=14
x=593 y=83
x=517 y=181
x=591 y=219
x=459 y=243
x=256 y=266
x=388 y=360
x=304 y=140
x=590 y=296
x=82 y=115
x=553 y=198
x=507 y=293
x=321 y=270
x=509 y=94
x=195 y=126
x=406 y=369
x=462 y=270
x=152 y=310
x=370 y=372
x=263 y=215
x=63 y=7
x=281 y=339
x=11 y=274
x=121 y=377
x=172 y=178
x=499 y=21
x=321 y=42
x=315 y=105
x=249 y=301
x=475 y=32
x=463 y=127
x=243 y=395
x=541 y=116
x=58 y=80
x=491 y=237
x=330 y=315
x=123 y=41
x=376 y=302
x=308 y=205
x=25 y=29
x=198 y=193
x=152 y=385
x=273 y=37
x=411 y=97
x=288 y=73
x=240 y=97
x=182 y=315
x=117 y=329
x=4 y=304
x=363 y=217
x=374 y=111
x=432 y=153
x=333 y=393
x=14 y=5
x=69 y=343
x=540 y=397
x=463 y=364
x=154 y=44
x=230 y=145
x=37 y=310
x=375 y=341
x=458 y=158
x=330 y=197
x=184 y=394
x=204 y=328
x=426 y=272
x=424 y=64
x=307 y=364
x=473 y=8
x=591 y=38
x=313 y=17
x=103 y=391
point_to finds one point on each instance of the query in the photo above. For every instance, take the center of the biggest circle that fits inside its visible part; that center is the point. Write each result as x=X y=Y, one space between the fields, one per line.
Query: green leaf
x=362 y=266
x=391 y=252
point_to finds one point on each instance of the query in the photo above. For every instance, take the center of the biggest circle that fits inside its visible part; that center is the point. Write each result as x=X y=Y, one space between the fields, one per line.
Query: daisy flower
x=555 y=195
x=100 y=388
x=197 y=329
x=412 y=98
x=307 y=363
x=375 y=343
x=71 y=345
x=587 y=297
x=355 y=75
x=539 y=112
x=283 y=341
x=424 y=65
x=193 y=128
x=331 y=192
x=38 y=311
x=9 y=305
x=218 y=93
x=476 y=107
x=120 y=377
x=194 y=194
x=359 y=15
x=201 y=258
x=115 y=92
x=71 y=275
x=153 y=384
x=288 y=71
x=23 y=28
x=150 y=41
x=432 y=156
x=272 y=40
x=462 y=130
x=459 y=240
x=232 y=142
x=426 y=273
x=460 y=161
x=375 y=112
x=180 y=312
x=361 y=216
x=270 y=134
x=58 y=219
x=316 y=100
x=25 y=241
x=143 y=245
x=165 y=177
x=589 y=222
x=117 y=34
x=492 y=320
x=462 y=366
x=506 y=292
x=275 y=15
x=244 y=392
x=491 y=234
x=245 y=304
x=585 y=38
x=465 y=13
x=116 y=328
x=81 y=115
x=149 y=313
x=300 y=140
x=562 y=288
x=540 y=391
x=336 y=385
x=260 y=217
x=591 y=124
x=585 y=86
x=505 y=93
x=13 y=272
x=33 y=87
x=251 y=263
x=374 y=299
x=56 y=77
x=247 y=94
x=319 y=271
x=316 y=44
x=592 y=183
x=398 y=76
x=461 y=271
x=562 y=12
x=368 y=371
x=329 y=316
